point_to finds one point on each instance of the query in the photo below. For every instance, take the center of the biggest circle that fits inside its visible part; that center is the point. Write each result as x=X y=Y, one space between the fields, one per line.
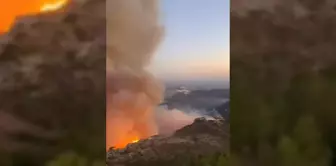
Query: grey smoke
x=133 y=34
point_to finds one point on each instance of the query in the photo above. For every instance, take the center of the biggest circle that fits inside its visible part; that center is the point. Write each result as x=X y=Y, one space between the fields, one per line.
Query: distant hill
x=199 y=84
x=198 y=99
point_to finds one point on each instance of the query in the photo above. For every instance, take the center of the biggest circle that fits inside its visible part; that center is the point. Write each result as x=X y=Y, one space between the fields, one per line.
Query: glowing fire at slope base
x=47 y=7
x=133 y=34
x=135 y=141
x=125 y=142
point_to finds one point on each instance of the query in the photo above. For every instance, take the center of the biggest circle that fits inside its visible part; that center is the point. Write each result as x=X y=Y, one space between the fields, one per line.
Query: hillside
x=197 y=99
x=203 y=137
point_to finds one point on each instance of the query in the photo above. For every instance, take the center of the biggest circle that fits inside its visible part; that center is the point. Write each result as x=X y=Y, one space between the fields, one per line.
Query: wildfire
x=53 y=6
x=135 y=141
x=125 y=142
x=11 y=9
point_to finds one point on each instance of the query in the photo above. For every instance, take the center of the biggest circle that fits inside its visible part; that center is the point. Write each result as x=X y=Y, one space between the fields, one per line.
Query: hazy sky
x=196 y=45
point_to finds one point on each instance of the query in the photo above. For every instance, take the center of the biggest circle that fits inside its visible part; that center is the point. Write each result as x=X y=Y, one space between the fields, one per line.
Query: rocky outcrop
x=203 y=137
x=52 y=76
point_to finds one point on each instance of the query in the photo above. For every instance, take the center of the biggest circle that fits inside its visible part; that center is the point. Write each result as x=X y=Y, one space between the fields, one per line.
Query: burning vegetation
x=133 y=33
x=10 y=10
x=201 y=138
x=52 y=6
x=133 y=94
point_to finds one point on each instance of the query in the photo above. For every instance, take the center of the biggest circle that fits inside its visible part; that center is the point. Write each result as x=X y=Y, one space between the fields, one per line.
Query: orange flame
x=135 y=141
x=11 y=9
x=127 y=141
x=53 y=6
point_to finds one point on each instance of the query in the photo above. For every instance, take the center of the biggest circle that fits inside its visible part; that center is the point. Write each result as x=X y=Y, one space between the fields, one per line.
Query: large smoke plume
x=133 y=34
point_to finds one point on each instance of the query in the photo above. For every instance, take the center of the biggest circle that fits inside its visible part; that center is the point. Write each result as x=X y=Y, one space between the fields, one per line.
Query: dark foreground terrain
x=283 y=82
x=52 y=85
